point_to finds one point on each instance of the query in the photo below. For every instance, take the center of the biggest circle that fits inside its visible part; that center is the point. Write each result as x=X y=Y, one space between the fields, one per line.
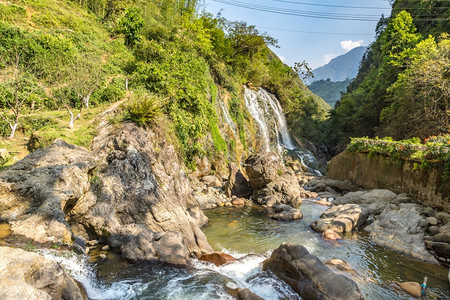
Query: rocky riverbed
x=129 y=197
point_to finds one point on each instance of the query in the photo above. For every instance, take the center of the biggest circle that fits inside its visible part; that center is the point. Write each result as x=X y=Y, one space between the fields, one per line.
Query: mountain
x=340 y=68
x=328 y=90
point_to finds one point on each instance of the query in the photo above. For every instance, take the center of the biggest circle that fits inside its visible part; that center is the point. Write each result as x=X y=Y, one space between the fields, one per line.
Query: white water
x=204 y=281
x=226 y=116
x=268 y=114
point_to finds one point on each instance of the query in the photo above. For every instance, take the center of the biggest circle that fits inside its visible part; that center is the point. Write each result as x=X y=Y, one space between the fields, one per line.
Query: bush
x=143 y=111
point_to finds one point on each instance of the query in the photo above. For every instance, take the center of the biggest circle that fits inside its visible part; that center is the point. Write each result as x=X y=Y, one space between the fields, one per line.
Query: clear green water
x=248 y=230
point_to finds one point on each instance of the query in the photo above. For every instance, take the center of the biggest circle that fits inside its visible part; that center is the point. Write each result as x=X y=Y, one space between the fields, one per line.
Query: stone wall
x=427 y=186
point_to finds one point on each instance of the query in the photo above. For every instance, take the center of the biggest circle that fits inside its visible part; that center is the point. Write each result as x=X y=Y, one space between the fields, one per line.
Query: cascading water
x=226 y=116
x=267 y=112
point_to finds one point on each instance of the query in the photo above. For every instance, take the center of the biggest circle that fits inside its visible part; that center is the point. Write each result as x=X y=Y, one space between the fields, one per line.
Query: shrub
x=144 y=110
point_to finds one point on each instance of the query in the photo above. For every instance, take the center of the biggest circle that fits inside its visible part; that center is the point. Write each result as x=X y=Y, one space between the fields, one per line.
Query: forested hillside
x=64 y=62
x=402 y=88
x=328 y=90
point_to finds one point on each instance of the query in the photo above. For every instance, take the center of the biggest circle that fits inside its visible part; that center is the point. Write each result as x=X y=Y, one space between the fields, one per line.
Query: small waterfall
x=226 y=116
x=268 y=114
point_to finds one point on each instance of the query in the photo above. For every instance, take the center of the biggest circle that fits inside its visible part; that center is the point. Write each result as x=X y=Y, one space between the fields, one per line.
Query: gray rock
x=433 y=230
x=398 y=228
x=262 y=169
x=373 y=201
x=341 y=218
x=32 y=276
x=283 y=212
x=443 y=217
x=237 y=185
x=308 y=276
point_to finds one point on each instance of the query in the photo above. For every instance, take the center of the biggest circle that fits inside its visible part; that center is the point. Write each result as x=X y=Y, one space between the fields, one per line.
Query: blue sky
x=317 y=49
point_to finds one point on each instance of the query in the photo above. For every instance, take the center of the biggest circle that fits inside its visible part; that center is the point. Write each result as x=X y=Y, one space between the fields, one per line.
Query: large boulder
x=271 y=181
x=341 y=218
x=398 y=227
x=263 y=168
x=308 y=276
x=37 y=192
x=237 y=185
x=132 y=176
x=373 y=201
x=283 y=212
x=28 y=275
x=140 y=181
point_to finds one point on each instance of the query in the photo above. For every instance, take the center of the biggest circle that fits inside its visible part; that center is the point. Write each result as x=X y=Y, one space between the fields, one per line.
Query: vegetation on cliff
x=402 y=88
x=74 y=56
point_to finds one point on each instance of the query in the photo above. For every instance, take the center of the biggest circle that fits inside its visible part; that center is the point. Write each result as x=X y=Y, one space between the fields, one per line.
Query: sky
x=302 y=37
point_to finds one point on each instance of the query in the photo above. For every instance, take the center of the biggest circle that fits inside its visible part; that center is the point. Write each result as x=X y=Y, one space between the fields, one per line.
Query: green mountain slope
x=328 y=90
x=63 y=59
x=401 y=89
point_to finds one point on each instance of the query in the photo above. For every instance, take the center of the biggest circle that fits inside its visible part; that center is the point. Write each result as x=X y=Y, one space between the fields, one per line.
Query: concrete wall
x=376 y=171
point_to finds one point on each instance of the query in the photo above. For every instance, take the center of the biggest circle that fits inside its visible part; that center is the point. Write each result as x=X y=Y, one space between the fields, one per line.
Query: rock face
x=271 y=181
x=37 y=192
x=237 y=185
x=32 y=276
x=308 y=276
x=341 y=218
x=429 y=187
x=398 y=227
x=132 y=176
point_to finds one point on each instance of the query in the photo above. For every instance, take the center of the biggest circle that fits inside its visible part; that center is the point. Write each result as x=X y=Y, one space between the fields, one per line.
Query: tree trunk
x=13 y=130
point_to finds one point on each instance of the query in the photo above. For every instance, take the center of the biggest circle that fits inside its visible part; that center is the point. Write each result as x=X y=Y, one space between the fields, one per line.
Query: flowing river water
x=250 y=236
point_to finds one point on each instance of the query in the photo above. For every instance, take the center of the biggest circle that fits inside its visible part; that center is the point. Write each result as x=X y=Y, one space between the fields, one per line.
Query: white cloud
x=349 y=45
x=282 y=58
x=328 y=57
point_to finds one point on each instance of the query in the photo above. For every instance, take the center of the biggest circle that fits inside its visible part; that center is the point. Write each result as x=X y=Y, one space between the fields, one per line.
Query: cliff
x=427 y=186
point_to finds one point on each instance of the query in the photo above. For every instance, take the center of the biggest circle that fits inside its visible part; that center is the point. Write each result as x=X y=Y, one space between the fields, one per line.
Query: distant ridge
x=340 y=68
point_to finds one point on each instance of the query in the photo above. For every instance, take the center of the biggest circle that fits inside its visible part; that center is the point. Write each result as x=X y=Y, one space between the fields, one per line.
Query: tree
x=303 y=69
x=131 y=25
x=16 y=91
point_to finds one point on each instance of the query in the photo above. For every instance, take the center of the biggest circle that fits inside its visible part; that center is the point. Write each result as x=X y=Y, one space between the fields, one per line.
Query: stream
x=247 y=234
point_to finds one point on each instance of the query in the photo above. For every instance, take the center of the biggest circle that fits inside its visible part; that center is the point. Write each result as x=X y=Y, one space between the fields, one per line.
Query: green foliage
x=143 y=109
x=131 y=25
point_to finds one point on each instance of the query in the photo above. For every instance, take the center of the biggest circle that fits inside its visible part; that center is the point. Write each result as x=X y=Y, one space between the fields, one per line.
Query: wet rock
x=137 y=243
x=246 y=294
x=443 y=217
x=217 y=258
x=284 y=189
x=32 y=276
x=237 y=185
x=412 y=288
x=106 y=248
x=323 y=202
x=340 y=218
x=340 y=265
x=398 y=227
x=283 y=212
x=322 y=185
x=331 y=235
x=308 y=276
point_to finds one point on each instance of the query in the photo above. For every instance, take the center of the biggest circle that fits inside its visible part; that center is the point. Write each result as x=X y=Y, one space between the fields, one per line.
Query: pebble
x=102 y=256
x=432 y=221
x=92 y=242
x=433 y=230
x=106 y=248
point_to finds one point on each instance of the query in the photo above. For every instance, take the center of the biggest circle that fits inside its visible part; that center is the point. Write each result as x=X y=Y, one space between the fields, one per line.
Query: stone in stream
x=340 y=264
x=340 y=218
x=28 y=275
x=238 y=201
x=331 y=235
x=217 y=258
x=308 y=276
x=398 y=227
x=412 y=288
x=283 y=212
x=246 y=294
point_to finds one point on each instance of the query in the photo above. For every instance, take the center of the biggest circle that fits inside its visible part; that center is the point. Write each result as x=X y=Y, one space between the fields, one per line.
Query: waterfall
x=268 y=114
x=226 y=116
